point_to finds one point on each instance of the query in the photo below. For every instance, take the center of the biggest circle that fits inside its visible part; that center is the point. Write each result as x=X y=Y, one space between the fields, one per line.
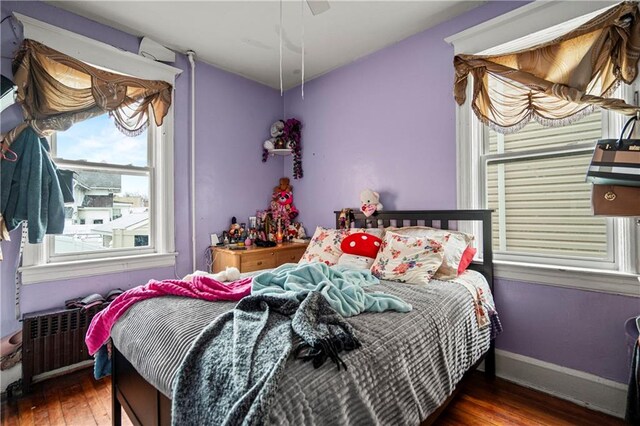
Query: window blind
x=543 y=204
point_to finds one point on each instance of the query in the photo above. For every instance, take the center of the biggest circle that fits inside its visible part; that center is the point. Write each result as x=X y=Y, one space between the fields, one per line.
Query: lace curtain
x=556 y=82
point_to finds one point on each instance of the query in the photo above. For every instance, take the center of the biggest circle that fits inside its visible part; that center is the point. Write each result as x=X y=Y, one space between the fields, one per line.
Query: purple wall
x=578 y=329
x=387 y=122
x=234 y=115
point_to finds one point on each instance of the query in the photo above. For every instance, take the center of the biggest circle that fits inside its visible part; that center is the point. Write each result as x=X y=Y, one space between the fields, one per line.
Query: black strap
x=630 y=121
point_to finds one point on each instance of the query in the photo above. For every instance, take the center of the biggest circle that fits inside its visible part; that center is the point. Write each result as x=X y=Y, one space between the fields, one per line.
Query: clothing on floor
x=102 y=363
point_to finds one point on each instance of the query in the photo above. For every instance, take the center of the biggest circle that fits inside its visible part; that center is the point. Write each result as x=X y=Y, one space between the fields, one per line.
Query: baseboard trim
x=581 y=388
x=62 y=371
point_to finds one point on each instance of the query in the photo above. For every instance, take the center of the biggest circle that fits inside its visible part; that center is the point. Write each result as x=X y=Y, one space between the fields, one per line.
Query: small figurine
x=234 y=229
x=301 y=233
x=292 y=231
x=344 y=220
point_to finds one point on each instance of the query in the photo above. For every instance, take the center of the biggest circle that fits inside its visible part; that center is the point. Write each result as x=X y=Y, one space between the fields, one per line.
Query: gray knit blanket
x=231 y=373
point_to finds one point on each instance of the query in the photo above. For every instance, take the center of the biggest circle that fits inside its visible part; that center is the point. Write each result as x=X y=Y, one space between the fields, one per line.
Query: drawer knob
x=260 y=262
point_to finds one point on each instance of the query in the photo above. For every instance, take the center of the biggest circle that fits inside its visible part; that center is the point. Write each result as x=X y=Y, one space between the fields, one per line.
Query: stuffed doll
x=282 y=207
x=369 y=202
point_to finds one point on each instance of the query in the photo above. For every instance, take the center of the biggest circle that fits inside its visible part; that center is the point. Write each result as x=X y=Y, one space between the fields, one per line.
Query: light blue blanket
x=343 y=288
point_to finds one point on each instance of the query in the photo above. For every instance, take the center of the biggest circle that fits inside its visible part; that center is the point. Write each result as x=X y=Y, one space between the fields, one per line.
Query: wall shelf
x=283 y=152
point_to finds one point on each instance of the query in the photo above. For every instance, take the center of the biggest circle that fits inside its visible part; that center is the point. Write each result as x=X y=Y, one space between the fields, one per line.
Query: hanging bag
x=615 y=173
x=616 y=161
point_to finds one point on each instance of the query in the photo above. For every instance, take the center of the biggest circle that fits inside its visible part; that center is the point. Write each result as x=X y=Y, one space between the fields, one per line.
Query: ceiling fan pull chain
x=281 y=48
x=302 y=2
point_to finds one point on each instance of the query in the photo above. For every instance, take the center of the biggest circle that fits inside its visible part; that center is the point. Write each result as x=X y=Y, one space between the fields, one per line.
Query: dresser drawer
x=257 y=261
x=289 y=256
x=256 y=258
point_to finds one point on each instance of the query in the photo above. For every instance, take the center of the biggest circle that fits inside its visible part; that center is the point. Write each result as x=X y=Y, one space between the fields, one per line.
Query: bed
x=406 y=371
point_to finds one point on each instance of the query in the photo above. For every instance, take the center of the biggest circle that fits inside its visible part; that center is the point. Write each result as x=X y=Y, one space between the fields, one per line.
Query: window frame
x=153 y=143
x=619 y=276
x=38 y=266
x=609 y=263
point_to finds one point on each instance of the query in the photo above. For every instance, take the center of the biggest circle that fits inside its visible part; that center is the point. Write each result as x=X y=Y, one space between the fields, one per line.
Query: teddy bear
x=370 y=202
x=282 y=207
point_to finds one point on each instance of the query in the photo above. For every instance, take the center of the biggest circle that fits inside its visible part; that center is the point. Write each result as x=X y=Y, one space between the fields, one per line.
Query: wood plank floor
x=78 y=399
x=74 y=399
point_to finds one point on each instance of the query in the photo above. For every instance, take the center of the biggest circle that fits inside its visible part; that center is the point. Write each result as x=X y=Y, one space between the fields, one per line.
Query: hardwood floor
x=480 y=402
x=78 y=399
x=75 y=399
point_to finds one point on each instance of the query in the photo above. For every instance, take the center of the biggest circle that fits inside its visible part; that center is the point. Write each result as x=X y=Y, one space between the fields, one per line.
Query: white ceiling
x=242 y=36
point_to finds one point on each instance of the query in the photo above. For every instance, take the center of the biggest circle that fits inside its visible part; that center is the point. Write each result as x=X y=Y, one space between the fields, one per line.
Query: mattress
x=409 y=363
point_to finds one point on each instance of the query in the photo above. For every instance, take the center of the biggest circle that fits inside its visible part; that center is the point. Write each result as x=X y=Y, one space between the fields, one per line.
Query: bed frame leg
x=490 y=362
x=116 y=408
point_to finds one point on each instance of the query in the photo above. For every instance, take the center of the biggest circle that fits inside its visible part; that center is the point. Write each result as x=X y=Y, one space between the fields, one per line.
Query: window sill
x=88 y=268
x=612 y=282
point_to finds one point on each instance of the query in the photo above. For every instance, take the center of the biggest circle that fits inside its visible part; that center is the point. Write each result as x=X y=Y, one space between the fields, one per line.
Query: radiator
x=53 y=340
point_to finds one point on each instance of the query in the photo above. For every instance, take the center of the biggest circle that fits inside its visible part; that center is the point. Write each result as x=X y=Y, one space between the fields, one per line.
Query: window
x=535 y=183
x=122 y=217
x=534 y=179
x=114 y=193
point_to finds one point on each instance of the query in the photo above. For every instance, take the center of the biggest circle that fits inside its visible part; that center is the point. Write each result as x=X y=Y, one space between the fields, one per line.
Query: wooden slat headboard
x=401 y=218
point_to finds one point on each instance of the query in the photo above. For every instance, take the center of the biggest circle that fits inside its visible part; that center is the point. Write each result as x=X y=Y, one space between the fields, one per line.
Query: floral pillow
x=407 y=259
x=325 y=244
x=455 y=243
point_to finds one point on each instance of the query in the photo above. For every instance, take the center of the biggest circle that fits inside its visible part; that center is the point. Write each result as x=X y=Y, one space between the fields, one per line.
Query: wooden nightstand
x=255 y=258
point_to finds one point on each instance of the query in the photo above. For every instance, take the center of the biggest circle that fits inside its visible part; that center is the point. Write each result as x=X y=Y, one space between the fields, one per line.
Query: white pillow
x=454 y=242
x=407 y=259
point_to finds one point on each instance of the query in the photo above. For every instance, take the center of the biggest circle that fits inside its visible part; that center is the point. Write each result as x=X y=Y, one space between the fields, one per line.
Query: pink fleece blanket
x=201 y=287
